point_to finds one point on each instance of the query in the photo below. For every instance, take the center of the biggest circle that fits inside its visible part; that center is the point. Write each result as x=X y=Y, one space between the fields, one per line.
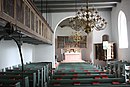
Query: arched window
x=122 y=30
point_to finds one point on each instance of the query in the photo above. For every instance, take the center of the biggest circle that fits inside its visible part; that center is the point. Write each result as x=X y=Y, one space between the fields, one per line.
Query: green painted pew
x=31 y=76
x=24 y=79
x=96 y=85
x=44 y=67
x=78 y=70
x=47 y=70
x=41 y=74
x=82 y=76
x=10 y=82
x=79 y=73
x=86 y=81
x=30 y=71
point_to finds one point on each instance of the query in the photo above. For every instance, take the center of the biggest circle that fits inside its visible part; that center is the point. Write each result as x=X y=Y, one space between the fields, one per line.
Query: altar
x=73 y=55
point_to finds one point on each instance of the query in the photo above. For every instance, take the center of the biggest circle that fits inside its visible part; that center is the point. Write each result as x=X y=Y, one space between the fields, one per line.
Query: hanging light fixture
x=87 y=20
x=75 y=23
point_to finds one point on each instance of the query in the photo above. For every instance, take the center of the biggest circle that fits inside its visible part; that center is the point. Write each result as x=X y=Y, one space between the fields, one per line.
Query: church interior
x=64 y=43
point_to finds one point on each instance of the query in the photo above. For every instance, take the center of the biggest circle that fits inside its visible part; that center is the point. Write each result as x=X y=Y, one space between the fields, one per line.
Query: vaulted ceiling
x=55 y=6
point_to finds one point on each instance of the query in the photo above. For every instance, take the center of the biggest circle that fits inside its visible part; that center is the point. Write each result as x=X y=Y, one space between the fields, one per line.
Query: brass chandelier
x=87 y=20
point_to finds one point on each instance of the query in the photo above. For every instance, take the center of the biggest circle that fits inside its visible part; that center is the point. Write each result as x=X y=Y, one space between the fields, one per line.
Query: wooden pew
x=67 y=82
x=45 y=68
x=96 y=85
x=42 y=67
x=30 y=71
x=31 y=76
x=80 y=73
x=24 y=79
x=9 y=83
x=95 y=76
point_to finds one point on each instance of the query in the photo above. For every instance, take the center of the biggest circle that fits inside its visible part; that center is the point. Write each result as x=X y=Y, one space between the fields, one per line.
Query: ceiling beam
x=71 y=10
x=48 y=6
x=74 y=6
x=78 y=1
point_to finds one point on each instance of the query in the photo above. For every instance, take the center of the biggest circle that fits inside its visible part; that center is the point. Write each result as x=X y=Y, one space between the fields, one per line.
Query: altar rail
x=25 y=16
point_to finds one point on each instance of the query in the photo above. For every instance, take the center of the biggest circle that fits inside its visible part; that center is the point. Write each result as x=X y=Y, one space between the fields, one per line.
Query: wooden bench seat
x=83 y=76
x=86 y=81
x=31 y=76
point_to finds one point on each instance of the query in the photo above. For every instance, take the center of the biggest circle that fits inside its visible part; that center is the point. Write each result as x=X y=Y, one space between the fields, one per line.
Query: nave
x=71 y=74
x=41 y=35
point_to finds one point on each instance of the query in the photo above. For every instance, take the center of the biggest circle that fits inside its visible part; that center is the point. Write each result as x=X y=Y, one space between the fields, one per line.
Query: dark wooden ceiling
x=56 y=6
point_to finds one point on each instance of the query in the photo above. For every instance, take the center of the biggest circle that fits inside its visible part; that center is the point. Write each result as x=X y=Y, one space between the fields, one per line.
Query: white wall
x=44 y=53
x=28 y=52
x=123 y=54
x=97 y=36
x=9 y=53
